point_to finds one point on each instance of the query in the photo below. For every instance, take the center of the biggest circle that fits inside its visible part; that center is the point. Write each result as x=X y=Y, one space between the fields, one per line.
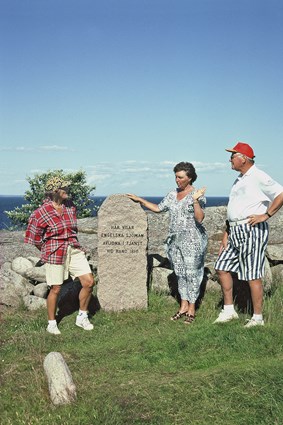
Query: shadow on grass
x=173 y=285
x=172 y=278
x=241 y=295
x=68 y=300
x=241 y=289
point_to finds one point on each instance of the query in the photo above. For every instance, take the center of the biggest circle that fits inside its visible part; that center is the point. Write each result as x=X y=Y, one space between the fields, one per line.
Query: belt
x=238 y=222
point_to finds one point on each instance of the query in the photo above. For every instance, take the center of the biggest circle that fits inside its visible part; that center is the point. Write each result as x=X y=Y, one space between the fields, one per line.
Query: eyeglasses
x=235 y=154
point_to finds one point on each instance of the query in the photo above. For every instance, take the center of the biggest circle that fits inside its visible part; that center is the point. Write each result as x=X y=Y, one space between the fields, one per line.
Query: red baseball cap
x=243 y=148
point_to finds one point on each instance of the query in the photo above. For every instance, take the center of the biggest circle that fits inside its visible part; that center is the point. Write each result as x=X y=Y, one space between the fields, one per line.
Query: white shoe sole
x=248 y=326
x=54 y=333
x=226 y=320
x=85 y=329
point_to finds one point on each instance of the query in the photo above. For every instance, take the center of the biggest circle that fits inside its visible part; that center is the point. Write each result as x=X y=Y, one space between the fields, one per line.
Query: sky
x=126 y=89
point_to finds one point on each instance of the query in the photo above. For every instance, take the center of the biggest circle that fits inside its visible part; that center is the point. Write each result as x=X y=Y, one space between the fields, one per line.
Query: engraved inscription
x=122 y=239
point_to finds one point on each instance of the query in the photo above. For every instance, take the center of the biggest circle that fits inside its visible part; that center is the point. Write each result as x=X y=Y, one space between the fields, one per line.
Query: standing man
x=254 y=198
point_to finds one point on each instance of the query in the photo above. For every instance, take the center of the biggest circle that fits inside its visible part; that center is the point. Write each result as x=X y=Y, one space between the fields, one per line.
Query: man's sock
x=229 y=308
x=257 y=317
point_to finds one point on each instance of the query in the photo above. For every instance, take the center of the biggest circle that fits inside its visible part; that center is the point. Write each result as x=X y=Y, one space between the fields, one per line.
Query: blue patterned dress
x=186 y=243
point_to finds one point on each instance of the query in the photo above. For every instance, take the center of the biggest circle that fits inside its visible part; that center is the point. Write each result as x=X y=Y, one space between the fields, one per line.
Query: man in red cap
x=254 y=198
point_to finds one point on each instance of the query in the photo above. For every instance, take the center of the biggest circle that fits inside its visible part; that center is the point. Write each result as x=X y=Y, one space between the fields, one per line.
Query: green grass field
x=139 y=367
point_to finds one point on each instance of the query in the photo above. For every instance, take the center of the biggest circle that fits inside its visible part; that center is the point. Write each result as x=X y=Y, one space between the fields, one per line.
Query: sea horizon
x=10 y=202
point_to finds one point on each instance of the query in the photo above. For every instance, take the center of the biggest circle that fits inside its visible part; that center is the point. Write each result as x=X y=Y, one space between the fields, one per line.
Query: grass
x=139 y=367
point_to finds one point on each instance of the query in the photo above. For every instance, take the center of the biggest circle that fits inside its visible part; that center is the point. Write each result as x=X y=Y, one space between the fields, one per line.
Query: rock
x=122 y=255
x=277 y=273
x=88 y=225
x=33 y=260
x=38 y=274
x=34 y=303
x=13 y=287
x=24 y=257
x=267 y=280
x=155 y=260
x=275 y=224
x=210 y=271
x=12 y=246
x=275 y=252
x=89 y=244
x=40 y=290
x=212 y=285
x=60 y=382
x=160 y=280
x=214 y=222
x=20 y=265
x=157 y=232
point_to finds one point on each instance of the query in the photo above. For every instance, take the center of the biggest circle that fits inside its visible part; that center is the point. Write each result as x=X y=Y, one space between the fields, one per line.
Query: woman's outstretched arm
x=144 y=202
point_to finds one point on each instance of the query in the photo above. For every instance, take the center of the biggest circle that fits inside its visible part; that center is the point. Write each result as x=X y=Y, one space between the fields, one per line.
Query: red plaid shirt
x=52 y=232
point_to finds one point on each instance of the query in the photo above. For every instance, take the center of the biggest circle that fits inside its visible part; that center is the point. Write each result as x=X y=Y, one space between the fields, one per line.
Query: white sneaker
x=252 y=322
x=224 y=316
x=83 y=322
x=53 y=329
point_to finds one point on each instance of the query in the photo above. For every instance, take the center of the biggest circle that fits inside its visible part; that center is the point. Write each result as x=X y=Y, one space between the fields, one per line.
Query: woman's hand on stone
x=133 y=197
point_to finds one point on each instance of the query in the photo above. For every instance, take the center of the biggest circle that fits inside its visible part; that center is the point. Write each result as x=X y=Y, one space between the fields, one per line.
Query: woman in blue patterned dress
x=187 y=239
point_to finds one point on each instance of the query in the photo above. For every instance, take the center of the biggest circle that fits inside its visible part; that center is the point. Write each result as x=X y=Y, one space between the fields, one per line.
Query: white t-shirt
x=251 y=193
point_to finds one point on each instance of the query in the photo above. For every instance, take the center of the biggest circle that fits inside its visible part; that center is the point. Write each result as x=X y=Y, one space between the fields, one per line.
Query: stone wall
x=12 y=247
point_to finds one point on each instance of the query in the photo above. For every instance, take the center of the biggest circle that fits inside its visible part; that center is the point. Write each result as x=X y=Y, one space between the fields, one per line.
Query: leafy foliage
x=79 y=192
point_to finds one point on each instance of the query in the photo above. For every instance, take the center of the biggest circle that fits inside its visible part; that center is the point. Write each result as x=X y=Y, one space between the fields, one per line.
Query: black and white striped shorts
x=245 y=252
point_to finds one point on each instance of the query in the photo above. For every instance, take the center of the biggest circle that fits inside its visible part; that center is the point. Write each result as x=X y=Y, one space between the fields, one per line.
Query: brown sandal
x=178 y=315
x=189 y=319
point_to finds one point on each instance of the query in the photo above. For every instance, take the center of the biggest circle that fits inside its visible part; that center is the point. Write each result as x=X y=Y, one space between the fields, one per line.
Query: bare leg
x=184 y=306
x=257 y=295
x=87 y=283
x=226 y=282
x=191 y=309
x=52 y=301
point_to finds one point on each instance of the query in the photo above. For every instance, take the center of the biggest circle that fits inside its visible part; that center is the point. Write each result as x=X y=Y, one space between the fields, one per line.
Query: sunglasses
x=235 y=154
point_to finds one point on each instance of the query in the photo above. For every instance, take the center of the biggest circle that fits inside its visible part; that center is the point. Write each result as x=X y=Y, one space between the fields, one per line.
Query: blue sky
x=125 y=89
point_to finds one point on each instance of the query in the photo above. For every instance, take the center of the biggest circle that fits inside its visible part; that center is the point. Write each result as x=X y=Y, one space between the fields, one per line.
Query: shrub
x=79 y=192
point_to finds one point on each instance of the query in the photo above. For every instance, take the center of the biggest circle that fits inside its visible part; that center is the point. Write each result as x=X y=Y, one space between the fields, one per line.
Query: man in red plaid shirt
x=52 y=228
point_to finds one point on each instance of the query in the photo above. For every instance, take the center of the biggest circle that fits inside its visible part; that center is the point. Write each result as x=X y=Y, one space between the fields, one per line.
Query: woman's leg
x=184 y=307
x=191 y=308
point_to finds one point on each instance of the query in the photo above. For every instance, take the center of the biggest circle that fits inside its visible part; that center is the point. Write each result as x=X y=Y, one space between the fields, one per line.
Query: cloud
x=55 y=148
x=43 y=148
x=130 y=184
x=145 y=176
x=16 y=149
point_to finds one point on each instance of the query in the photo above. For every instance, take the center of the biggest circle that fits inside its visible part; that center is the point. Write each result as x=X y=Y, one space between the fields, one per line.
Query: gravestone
x=122 y=254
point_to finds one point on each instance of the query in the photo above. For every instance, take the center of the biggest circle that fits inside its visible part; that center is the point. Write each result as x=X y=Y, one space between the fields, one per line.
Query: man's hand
x=224 y=243
x=259 y=218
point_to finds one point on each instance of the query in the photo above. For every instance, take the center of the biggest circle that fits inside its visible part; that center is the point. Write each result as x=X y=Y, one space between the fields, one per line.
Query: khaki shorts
x=75 y=264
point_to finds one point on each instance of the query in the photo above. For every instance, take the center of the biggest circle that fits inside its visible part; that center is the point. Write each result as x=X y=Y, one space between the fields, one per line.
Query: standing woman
x=187 y=239
x=52 y=228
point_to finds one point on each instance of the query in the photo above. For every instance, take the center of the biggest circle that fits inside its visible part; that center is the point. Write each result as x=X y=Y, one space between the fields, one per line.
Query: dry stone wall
x=19 y=278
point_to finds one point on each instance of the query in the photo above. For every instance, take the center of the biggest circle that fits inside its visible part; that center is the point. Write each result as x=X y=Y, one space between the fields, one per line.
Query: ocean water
x=8 y=203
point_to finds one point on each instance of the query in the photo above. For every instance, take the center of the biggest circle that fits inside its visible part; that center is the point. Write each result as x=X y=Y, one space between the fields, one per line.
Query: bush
x=79 y=192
